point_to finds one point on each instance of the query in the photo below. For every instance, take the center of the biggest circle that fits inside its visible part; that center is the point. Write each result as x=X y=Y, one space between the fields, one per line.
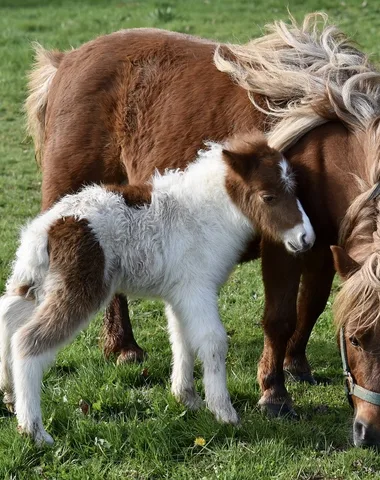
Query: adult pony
x=124 y=104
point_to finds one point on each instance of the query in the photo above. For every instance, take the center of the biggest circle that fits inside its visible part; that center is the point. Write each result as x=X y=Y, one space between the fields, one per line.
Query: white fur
x=287 y=175
x=301 y=236
x=181 y=248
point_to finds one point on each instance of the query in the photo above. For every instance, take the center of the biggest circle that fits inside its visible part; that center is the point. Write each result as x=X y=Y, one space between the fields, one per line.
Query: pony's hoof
x=8 y=400
x=39 y=435
x=279 y=410
x=300 y=377
x=228 y=416
x=132 y=354
x=10 y=407
x=189 y=398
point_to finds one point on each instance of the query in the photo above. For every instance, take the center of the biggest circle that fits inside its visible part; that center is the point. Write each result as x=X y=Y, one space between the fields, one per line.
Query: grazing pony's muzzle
x=365 y=435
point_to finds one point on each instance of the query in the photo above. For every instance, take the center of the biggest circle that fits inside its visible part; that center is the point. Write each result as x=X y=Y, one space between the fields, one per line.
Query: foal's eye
x=268 y=198
x=354 y=342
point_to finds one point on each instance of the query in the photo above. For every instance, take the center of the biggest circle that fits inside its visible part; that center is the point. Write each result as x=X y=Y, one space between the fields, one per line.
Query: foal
x=176 y=238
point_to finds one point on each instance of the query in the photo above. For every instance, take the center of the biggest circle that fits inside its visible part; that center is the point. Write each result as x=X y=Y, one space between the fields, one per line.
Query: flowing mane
x=308 y=75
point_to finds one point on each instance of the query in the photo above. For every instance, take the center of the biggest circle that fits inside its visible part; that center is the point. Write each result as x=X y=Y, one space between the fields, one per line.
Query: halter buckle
x=349 y=383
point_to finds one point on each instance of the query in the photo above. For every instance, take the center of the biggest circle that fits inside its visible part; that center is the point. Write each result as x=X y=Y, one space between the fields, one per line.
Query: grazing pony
x=177 y=238
x=124 y=104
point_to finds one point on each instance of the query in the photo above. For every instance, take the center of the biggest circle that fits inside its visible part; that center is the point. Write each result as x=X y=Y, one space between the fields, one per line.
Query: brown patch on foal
x=134 y=195
x=75 y=286
x=24 y=291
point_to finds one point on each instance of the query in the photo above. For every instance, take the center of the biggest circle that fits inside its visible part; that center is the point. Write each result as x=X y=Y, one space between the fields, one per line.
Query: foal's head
x=261 y=183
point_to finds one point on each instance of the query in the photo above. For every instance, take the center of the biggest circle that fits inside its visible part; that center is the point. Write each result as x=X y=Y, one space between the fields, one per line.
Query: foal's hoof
x=300 y=377
x=230 y=417
x=10 y=407
x=132 y=354
x=279 y=410
x=9 y=402
x=227 y=414
x=189 y=398
x=39 y=435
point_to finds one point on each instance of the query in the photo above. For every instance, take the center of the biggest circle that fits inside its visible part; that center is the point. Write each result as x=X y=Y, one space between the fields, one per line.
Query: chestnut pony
x=124 y=104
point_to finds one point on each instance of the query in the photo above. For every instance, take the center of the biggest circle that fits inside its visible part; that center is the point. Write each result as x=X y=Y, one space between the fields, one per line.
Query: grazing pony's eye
x=268 y=198
x=354 y=342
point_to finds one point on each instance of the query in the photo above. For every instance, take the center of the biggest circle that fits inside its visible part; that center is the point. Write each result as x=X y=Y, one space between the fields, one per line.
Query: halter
x=350 y=386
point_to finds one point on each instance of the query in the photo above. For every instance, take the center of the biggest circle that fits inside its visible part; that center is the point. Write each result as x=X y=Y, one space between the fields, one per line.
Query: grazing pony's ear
x=343 y=263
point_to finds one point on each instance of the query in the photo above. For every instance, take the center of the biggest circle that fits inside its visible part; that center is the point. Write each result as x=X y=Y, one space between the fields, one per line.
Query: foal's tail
x=24 y=286
x=40 y=78
x=30 y=267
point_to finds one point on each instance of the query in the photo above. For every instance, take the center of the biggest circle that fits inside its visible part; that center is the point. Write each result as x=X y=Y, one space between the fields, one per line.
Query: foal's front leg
x=281 y=275
x=183 y=364
x=204 y=333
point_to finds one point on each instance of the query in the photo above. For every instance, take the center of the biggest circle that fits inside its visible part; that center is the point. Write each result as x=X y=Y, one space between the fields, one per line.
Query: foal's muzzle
x=298 y=239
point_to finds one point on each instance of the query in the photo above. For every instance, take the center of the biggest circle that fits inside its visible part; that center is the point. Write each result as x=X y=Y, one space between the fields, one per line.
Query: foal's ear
x=240 y=163
x=343 y=263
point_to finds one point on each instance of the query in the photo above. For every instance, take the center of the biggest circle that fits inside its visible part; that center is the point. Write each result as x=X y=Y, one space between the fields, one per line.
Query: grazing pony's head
x=261 y=183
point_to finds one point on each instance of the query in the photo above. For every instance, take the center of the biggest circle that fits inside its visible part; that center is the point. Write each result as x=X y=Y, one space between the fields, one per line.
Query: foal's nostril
x=365 y=435
x=302 y=241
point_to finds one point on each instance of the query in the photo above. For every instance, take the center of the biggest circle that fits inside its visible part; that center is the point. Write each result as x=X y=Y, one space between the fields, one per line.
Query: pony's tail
x=40 y=78
x=31 y=266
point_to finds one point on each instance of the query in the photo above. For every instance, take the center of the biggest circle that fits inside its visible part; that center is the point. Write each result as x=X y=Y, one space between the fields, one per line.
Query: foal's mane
x=309 y=74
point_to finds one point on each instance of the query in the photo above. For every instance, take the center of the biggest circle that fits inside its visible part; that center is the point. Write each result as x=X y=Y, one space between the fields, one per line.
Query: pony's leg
x=118 y=333
x=14 y=312
x=182 y=379
x=281 y=275
x=317 y=276
x=34 y=347
x=204 y=332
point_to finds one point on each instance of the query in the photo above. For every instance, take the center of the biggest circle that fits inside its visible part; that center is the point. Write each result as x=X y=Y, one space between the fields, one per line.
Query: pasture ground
x=134 y=428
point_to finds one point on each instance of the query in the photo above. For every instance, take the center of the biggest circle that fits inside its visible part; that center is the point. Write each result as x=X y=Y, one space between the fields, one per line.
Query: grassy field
x=134 y=428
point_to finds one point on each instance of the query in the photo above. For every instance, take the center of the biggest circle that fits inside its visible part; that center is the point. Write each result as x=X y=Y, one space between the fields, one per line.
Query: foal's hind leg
x=118 y=332
x=317 y=277
x=15 y=310
x=204 y=332
x=183 y=364
x=34 y=346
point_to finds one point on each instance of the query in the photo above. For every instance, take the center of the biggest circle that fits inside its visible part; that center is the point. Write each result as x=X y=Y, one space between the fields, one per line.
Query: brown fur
x=134 y=195
x=78 y=291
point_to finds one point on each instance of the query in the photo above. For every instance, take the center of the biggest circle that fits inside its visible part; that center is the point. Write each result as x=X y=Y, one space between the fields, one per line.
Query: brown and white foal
x=176 y=238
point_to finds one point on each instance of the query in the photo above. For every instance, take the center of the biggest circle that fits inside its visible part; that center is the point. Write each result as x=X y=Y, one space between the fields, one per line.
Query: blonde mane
x=308 y=75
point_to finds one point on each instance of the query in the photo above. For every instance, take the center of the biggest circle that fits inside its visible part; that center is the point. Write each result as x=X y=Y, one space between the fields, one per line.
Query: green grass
x=134 y=428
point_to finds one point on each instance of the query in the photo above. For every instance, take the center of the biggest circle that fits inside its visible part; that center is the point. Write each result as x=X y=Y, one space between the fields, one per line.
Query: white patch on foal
x=287 y=175
x=299 y=238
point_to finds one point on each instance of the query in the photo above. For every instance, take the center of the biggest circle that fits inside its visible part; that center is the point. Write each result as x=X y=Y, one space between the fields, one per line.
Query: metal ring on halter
x=352 y=389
